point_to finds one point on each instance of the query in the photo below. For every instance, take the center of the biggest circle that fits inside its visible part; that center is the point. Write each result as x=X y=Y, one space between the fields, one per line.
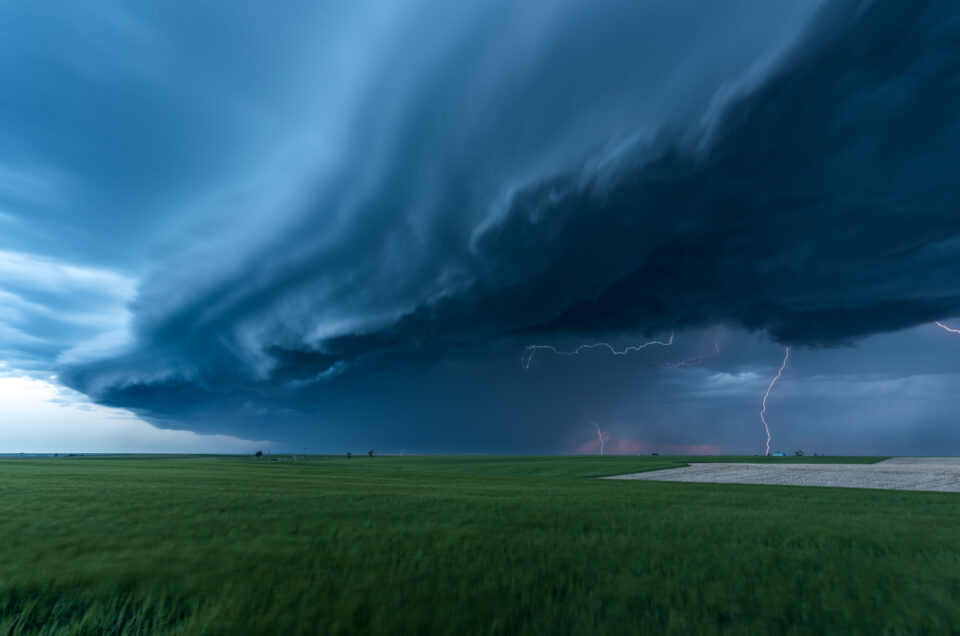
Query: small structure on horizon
x=777 y=454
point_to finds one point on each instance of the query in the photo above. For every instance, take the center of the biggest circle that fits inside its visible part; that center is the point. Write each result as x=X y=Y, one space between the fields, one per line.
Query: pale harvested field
x=899 y=473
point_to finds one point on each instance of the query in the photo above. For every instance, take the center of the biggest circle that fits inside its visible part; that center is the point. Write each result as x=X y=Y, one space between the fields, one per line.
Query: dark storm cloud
x=344 y=221
x=566 y=183
x=819 y=206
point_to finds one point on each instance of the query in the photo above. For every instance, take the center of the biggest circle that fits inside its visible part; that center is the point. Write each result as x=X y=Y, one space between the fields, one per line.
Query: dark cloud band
x=810 y=195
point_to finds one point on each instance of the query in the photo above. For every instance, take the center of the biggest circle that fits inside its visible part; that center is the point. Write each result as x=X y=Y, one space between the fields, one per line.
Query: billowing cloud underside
x=494 y=185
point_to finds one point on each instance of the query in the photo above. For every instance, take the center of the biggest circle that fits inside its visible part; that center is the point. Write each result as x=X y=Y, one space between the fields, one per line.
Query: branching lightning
x=943 y=326
x=532 y=349
x=763 y=410
x=600 y=434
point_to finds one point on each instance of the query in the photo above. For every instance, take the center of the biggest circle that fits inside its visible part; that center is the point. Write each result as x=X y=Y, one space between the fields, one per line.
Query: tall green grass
x=471 y=545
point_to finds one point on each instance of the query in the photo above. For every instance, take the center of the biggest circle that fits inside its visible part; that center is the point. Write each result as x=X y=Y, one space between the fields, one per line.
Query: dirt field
x=899 y=473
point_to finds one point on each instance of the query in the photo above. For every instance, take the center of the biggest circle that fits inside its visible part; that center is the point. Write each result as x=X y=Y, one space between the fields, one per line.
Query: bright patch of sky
x=39 y=416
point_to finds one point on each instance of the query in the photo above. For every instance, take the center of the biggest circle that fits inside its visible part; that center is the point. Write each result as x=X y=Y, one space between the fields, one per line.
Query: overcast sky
x=339 y=226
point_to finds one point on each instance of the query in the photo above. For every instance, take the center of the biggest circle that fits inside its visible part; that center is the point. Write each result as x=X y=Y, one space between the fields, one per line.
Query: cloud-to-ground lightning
x=600 y=434
x=532 y=349
x=943 y=326
x=763 y=410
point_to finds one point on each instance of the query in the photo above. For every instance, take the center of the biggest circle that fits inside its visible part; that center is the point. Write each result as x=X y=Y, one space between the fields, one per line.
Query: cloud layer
x=808 y=194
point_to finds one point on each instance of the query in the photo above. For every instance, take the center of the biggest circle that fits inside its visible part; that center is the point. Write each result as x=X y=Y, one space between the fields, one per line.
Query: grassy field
x=461 y=545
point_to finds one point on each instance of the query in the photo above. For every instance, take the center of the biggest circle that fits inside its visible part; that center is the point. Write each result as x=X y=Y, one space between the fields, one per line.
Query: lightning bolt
x=689 y=362
x=532 y=349
x=943 y=326
x=694 y=361
x=600 y=434
x=763 y=410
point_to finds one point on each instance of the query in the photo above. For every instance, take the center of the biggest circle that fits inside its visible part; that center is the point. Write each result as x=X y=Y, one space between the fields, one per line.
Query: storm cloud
x=459 y=180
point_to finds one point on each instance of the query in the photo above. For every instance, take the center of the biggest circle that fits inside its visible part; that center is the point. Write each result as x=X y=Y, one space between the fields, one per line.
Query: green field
x=462 y=545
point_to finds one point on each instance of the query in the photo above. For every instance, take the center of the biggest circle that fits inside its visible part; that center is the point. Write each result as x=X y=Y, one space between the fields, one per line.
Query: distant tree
x=370 y=453
x=349 y=455
x=259 y=453
x=798 y=453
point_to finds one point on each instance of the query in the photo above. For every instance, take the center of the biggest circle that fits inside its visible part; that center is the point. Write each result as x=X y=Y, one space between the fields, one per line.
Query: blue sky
x=338 y=225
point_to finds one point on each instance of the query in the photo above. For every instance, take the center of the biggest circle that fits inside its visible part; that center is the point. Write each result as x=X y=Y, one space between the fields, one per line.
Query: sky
x=339 y=226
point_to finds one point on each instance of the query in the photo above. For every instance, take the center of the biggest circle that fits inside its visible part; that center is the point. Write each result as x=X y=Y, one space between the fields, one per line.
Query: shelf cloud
x=386 y=191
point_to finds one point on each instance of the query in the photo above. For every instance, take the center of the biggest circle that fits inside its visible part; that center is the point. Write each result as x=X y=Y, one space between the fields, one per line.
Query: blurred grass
x=467 y=545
